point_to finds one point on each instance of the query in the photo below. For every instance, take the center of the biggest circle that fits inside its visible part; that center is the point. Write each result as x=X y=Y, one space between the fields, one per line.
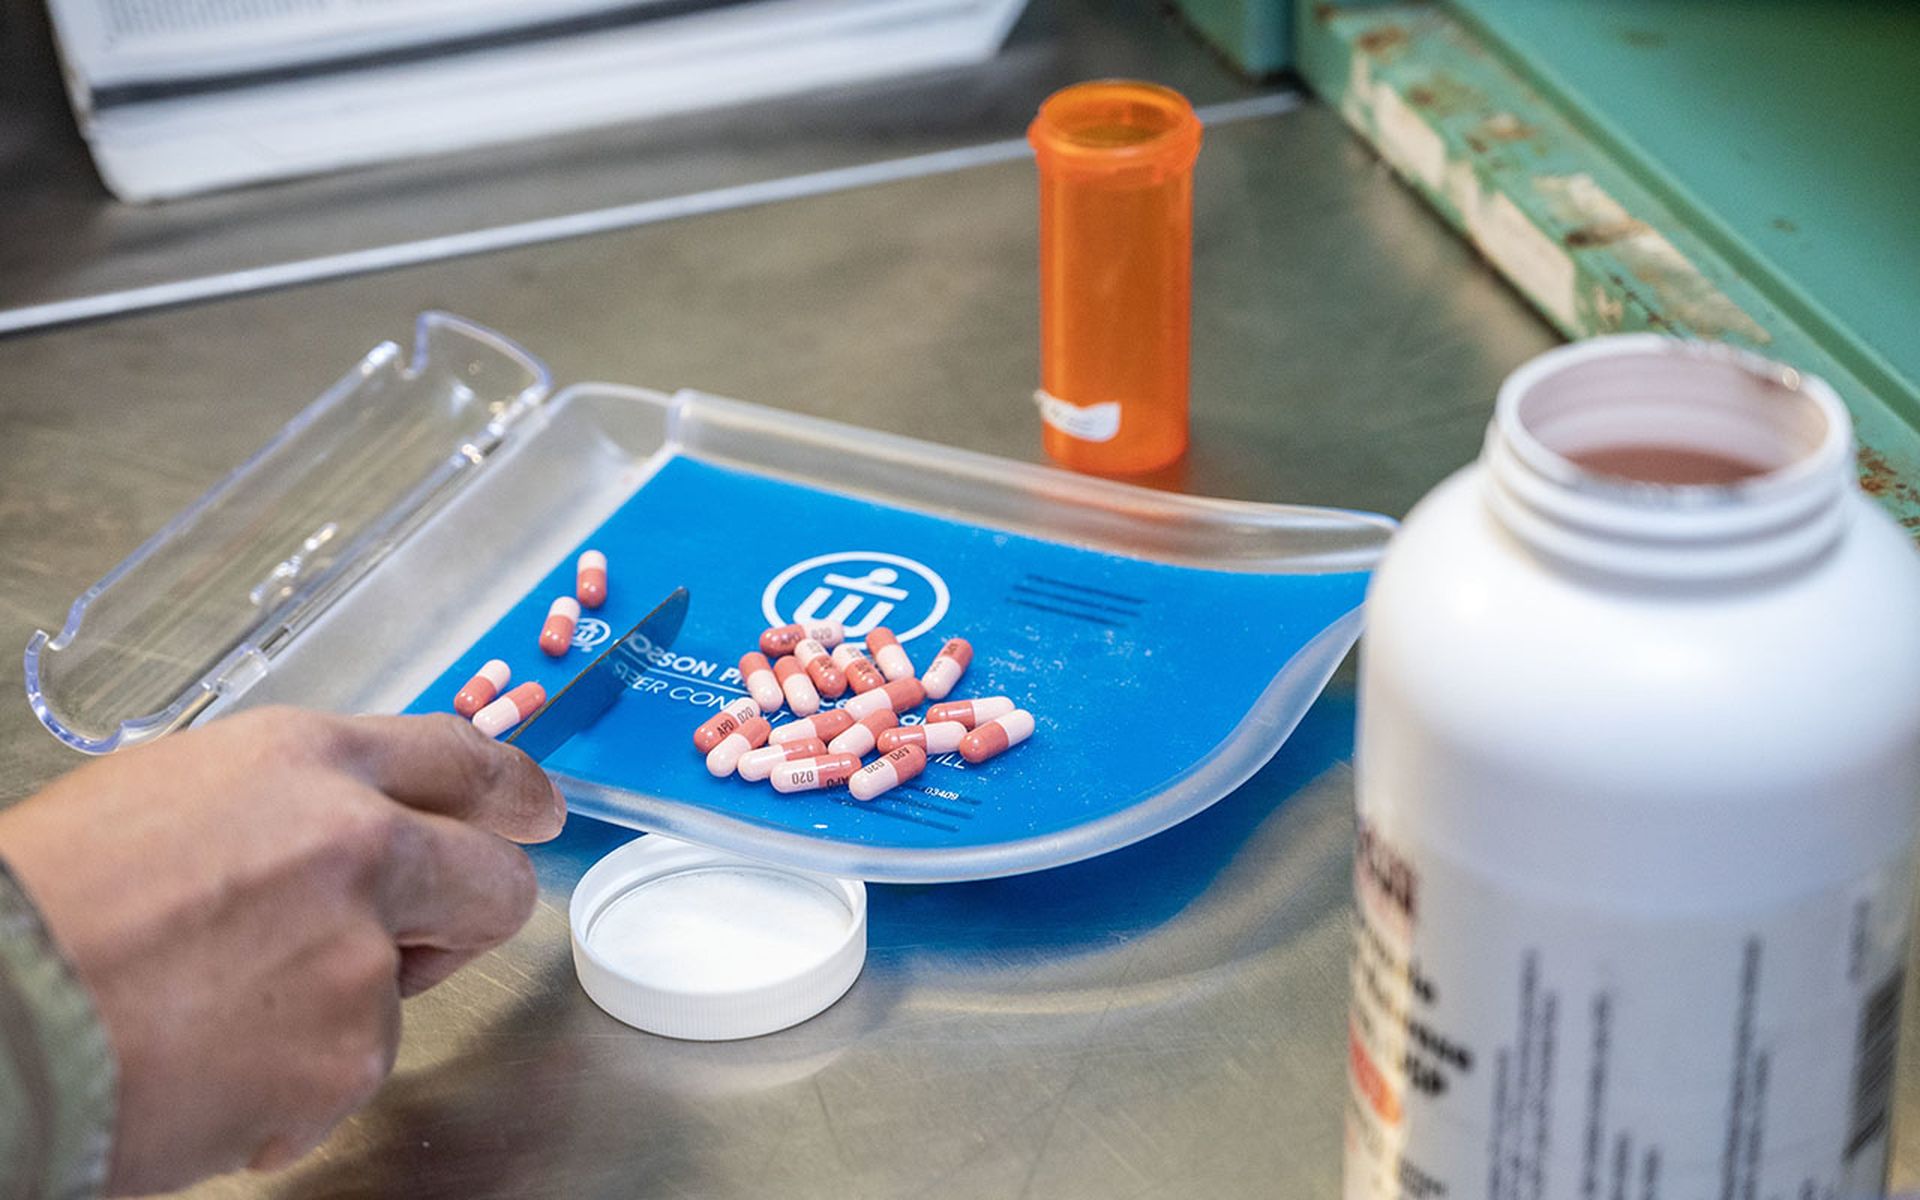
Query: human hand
x=248 y=902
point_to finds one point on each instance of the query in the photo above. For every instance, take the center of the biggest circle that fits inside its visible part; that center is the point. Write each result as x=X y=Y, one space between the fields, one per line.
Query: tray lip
x=1229 y=764
x=686 y=403
x=197 y=695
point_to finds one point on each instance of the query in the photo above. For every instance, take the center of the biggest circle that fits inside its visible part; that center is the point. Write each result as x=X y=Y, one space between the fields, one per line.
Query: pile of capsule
x=797 y=665
x=480 y=700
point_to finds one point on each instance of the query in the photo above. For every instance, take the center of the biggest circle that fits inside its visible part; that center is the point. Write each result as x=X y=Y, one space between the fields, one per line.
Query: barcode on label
x=1873 y=1064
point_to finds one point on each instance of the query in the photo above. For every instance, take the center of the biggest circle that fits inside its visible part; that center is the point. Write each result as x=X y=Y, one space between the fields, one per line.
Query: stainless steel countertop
x=1167 y=1020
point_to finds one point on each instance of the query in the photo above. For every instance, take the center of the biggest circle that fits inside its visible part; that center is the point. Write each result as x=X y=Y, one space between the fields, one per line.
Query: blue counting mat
x=1135 y=671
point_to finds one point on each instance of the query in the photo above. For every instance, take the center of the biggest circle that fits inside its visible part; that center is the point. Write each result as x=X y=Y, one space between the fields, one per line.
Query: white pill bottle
x=1638 y=762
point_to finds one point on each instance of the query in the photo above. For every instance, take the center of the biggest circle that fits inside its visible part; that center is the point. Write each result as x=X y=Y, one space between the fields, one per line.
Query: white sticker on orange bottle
x=1510 y=1046
x=1086 y=422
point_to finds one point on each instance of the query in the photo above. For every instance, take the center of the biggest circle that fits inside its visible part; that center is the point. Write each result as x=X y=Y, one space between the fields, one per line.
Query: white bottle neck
x=1786 y=435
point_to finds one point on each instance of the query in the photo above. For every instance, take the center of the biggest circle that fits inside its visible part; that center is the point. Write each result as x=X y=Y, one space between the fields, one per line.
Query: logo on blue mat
x=590 y=632
x=860 y=589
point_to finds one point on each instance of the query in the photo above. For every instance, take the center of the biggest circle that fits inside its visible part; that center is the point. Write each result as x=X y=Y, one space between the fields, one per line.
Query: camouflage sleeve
x=56 y=1067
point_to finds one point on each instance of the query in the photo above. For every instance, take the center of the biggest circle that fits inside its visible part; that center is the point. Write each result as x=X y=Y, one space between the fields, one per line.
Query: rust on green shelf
x=1571 y=230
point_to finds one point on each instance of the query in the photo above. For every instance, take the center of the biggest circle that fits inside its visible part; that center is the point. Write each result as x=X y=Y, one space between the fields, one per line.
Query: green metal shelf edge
x=1565 y=222
x=1784 y=135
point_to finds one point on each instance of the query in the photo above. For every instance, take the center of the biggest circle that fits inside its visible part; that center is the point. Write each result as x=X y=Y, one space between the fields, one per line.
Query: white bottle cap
x=694 y=943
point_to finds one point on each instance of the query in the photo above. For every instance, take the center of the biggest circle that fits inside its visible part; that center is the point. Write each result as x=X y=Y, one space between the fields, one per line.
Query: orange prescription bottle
x=1116 y=273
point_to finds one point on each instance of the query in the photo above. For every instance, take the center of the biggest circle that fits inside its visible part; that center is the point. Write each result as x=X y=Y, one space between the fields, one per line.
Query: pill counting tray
x=1167 y=644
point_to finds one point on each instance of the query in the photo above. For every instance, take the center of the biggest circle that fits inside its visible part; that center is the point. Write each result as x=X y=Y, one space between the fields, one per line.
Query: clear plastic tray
x=434 y=572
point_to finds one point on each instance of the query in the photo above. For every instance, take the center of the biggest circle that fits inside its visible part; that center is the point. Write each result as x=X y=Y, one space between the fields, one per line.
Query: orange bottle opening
x=1116 y=257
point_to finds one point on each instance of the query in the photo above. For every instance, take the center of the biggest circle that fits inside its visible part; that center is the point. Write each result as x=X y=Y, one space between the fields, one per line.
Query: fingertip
x=523 y=893
x=282 y=1151
x=559 y=810
x=440 y=763
x=542 y=812
x=424 y=967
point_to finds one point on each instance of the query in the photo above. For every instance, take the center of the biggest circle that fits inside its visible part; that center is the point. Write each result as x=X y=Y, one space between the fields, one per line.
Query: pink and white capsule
x=801 y=695
x=862 y=675
x=861 y=736
x=819 y=664
x=557 y=634
x=902 y=695
x=937 y=737
x=970 y=713
x=756 y=674
x=888 y=655
x=729 y=719
x=781 y=639
x=882 y=775
x=756 y=765
x=482 y=688
x=826 y=726
x=509 y=710
x=590 y=579
x=997 y=736
x=725 y=756
x=812 y=774
x=946 y=668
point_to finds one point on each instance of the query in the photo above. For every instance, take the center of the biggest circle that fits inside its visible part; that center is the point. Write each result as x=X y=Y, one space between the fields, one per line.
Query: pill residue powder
x=720 y=929
x=1671 y=465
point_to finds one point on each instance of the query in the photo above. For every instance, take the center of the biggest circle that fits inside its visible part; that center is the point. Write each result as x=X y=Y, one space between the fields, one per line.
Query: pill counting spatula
x=594 y=690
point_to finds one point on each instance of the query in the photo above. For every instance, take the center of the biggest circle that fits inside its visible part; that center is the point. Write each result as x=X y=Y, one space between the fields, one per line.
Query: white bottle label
x=1089 y=423
x=1518 y=1047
